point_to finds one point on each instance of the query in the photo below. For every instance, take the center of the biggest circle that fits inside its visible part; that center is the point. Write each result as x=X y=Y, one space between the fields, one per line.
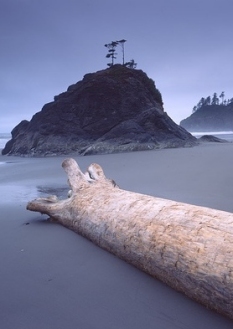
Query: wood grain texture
x=188 y=247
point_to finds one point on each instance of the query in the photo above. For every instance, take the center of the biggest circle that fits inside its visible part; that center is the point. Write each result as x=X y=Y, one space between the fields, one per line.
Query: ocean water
x=4 y=138
x=227 y=135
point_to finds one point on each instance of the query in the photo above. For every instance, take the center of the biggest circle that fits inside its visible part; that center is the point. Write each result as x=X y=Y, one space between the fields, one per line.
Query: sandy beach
x=54 y=278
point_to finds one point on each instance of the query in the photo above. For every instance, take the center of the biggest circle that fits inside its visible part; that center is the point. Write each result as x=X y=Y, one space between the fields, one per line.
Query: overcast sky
x=185 y=46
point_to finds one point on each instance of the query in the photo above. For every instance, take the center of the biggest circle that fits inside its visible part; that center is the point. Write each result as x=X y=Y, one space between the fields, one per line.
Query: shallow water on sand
x=24 y=193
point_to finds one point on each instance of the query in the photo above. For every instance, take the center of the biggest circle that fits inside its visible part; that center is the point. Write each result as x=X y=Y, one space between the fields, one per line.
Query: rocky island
x=118 y=109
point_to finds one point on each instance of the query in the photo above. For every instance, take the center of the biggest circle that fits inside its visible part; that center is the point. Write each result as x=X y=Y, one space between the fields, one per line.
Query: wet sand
x=54 y=278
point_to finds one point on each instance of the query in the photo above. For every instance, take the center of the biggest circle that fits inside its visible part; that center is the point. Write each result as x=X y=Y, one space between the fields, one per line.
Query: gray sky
x=185 y=46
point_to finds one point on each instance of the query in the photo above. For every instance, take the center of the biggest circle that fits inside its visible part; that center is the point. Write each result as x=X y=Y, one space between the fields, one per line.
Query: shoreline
x=54 y=278
x=117 y=166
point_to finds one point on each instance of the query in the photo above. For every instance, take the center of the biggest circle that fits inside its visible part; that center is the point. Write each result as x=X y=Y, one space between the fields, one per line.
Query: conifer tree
x=222 y=95
x=215 y=99
x=122 y=43
x=131 y=64
x=111 y=51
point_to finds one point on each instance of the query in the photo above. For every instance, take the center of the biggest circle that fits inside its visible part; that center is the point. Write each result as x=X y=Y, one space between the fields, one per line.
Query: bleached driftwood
x=188 y=247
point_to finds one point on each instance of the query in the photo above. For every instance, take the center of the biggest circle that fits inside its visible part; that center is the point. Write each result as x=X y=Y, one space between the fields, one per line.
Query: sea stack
x=113 y=110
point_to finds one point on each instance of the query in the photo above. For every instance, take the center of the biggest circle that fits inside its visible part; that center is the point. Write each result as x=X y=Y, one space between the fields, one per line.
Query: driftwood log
x=188 y=247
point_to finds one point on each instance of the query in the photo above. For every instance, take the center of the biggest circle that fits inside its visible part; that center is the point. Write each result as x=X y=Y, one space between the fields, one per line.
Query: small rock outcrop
x=113 y=110
x=211 y=139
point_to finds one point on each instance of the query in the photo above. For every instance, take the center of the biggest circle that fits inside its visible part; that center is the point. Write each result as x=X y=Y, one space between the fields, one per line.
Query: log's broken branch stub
x=188 y=247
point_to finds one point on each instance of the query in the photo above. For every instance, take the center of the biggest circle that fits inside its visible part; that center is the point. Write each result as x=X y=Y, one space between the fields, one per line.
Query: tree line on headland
x=211 y=114
x=214 y=100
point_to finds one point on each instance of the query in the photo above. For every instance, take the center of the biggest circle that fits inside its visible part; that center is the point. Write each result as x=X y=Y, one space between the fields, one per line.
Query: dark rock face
x=113 y=110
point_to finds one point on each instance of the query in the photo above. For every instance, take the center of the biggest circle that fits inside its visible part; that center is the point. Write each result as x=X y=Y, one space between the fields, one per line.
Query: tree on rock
x=131 y=64
x=111 y=51
x=112 y=54
x=122 y=43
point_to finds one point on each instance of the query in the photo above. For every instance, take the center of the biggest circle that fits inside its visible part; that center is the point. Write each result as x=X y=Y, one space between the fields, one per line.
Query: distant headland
x=211 y=114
